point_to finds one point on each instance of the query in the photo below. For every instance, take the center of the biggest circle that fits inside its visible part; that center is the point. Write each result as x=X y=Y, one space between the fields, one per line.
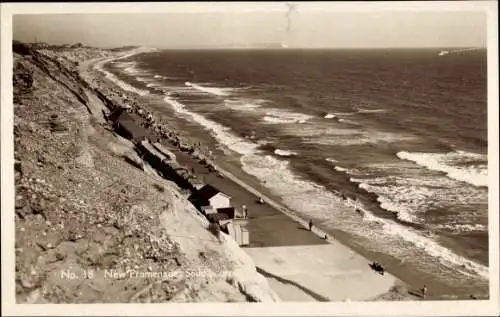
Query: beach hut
x=229 y=211
x=238 y=233
x=208 y=195
x=245 y=236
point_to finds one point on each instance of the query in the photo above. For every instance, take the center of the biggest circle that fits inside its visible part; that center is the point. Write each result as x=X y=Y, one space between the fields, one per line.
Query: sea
x=386 y=146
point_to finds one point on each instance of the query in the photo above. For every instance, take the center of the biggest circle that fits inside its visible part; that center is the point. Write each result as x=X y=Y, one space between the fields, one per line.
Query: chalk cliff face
x=90 y=226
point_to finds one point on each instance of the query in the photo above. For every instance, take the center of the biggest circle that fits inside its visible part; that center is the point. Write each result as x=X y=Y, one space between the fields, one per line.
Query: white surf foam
x=132 y=70
x=123 y=65
x=404 y=212
x=119 y=82
x=242 y=104
x=340 y=169
x=210 y=90
x=476 y=175
x=313 y=200
x=161 y=77
x=344 y=113
x=143 y=79
x=446 y=256
x=221 y=133
x=361 y=110
x=346 y=137
x=284 y=153
x=278 y=116
x=461 y=228
x=329 y=116
x=411 y=196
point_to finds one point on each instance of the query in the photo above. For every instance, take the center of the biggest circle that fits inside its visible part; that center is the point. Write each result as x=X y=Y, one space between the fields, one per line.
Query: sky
x=304 y=28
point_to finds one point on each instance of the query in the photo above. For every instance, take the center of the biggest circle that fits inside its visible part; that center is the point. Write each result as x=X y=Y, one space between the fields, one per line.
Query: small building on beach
x=229 y=211
x=238 y=233
x=208 y=195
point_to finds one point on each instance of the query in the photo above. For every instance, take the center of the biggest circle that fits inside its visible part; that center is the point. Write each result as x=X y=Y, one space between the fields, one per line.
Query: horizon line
x=222 y=47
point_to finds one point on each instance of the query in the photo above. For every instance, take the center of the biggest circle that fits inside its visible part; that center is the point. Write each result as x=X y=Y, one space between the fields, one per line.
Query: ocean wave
x=343 y=114
x=350 y=171
x=404 y=211
x=160 y=77
x=143 y=79
x=476 y=174
x=132 y=70
x=411 y=197
x=361 y=110
x=242 y=105
x=118 y=82
x=284 y=153
x=458 y=228
x=436 y=250
x=210 y=90
x=278 y=116
x=346 y=137
x=340 y=169
x=329 y=116
x=312 y=200
x=123 y=65
x=221 y=133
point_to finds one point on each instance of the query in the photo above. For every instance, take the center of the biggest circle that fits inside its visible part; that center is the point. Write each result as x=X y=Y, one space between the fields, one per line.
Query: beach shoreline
x=188 y=135
x=245 y=189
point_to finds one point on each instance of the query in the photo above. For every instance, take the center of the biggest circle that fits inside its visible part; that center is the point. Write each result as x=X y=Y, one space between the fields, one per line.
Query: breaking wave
x=284 y=153
x=242 y=105
x=361 y=110
x=119 y=82
x=210 y=90
x=278 y=116
x=463 y=166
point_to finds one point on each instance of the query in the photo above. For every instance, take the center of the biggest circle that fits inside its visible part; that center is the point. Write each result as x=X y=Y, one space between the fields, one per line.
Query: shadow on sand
x=309 y=292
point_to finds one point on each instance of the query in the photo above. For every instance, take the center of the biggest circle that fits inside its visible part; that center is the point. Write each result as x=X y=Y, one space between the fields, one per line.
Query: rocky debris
x=57 y=124
x=82 y=212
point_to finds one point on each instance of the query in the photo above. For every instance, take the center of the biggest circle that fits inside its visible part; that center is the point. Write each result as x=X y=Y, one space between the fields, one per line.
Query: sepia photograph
x=250 y=155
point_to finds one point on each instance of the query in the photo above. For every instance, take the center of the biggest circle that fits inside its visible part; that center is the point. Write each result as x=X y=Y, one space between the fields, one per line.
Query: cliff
x=92 y=227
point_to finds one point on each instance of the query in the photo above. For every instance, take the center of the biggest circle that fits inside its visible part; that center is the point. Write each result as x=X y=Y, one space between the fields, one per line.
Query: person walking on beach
x=310 y=224
x=424 y=291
